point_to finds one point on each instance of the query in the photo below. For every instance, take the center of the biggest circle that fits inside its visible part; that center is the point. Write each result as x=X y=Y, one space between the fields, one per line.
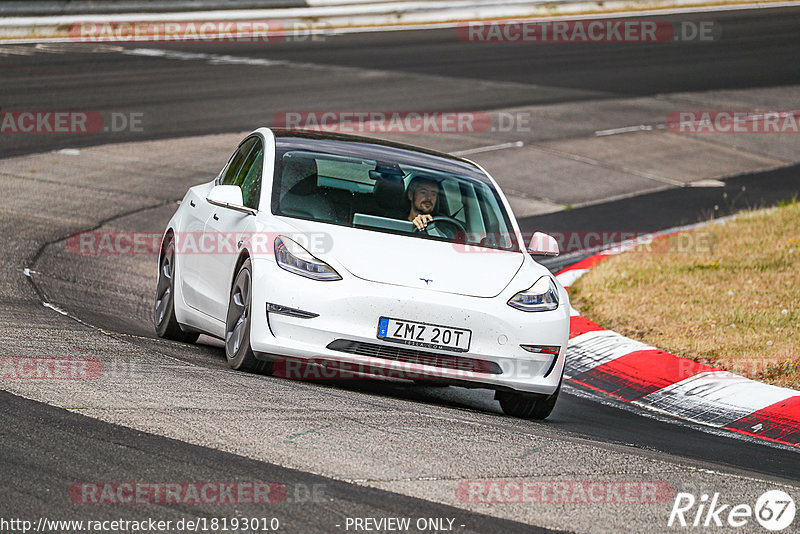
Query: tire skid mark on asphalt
x=45 y=301
x=289 y=438
x=361 y=72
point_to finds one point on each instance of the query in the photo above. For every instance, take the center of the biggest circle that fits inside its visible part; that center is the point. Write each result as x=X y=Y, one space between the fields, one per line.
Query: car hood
x=415 y=262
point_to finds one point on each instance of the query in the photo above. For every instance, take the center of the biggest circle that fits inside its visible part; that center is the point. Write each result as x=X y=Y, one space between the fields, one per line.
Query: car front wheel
x=237 y=325
x=527 y=405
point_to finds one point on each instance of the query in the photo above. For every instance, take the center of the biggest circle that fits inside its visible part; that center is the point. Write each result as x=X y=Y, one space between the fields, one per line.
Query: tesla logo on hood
x=427 y=281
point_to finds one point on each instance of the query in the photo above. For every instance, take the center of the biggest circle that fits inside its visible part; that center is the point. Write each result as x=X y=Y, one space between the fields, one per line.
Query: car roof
x=376 y=149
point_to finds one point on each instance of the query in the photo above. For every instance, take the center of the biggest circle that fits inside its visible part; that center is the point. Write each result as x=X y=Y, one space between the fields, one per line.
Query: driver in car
x=423 y=193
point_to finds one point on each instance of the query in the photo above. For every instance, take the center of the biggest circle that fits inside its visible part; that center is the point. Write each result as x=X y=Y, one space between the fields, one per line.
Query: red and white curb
x=634 y=372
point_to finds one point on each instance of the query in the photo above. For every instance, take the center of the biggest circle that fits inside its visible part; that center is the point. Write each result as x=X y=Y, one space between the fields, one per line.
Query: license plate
x=424 y=334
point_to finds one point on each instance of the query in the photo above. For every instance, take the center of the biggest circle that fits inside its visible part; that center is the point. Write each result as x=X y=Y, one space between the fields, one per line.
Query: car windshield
x=372 y=193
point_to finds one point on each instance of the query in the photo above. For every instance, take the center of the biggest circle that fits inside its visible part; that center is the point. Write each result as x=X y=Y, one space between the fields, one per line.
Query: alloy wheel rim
x=164 y=287
x=238 y=315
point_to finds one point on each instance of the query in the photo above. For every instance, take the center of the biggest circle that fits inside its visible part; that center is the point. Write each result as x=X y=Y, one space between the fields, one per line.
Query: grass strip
x=727 y=295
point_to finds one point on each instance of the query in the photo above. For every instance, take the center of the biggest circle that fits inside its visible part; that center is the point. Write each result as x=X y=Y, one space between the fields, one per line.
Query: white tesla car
x=367 y=258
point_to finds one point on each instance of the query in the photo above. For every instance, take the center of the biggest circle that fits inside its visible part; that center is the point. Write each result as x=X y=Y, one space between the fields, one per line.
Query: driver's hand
x=422 y=220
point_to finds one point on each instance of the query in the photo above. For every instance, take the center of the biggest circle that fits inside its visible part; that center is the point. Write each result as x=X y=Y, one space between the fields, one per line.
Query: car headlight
x=541 y=296
x=295 y=259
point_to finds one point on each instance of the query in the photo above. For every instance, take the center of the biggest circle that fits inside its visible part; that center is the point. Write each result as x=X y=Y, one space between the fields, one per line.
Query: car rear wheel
x=527 y=405
x=237 y=325
x=164 y=310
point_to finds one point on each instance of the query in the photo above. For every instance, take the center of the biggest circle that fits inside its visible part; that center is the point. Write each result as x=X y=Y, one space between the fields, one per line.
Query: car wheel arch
x=170 y=233
x=244 y=255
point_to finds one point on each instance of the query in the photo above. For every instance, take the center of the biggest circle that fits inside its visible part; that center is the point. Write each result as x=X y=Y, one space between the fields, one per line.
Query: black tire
x=527 y=405
x=164 y=310
x=431 y=383
x=237 y=325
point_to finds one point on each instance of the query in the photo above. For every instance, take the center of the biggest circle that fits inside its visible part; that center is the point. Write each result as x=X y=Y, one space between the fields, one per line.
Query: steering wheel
x=444 y=226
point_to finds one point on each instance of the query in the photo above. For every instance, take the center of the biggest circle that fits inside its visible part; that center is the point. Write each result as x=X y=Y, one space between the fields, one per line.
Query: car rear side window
x=236 y=161
x=249 y=177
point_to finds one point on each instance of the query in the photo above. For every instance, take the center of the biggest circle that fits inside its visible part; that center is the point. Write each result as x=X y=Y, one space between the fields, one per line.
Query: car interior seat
x=300 y=194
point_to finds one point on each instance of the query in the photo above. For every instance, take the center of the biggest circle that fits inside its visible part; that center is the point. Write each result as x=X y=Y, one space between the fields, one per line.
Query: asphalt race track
x=436 y=70
x=164 y=411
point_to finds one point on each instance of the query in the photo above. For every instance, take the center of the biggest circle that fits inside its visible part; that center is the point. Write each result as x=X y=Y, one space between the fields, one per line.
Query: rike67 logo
x=774 y=510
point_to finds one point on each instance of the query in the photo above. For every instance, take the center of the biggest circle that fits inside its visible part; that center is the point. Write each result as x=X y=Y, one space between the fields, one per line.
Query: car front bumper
x=346 y=314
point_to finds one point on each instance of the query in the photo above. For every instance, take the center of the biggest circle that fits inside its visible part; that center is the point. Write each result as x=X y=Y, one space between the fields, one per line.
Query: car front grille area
x=401 y=354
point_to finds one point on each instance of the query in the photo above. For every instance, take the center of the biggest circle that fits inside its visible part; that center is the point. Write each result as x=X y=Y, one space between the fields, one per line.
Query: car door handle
x=191 y=203
x=215 y=217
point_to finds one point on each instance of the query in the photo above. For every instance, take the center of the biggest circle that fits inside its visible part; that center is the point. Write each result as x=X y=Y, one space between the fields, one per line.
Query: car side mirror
x=229 y=196
x=543 y=245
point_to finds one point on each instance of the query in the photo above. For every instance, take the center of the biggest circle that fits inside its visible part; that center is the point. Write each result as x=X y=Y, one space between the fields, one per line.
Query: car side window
x=249 y=177
x=455 y=203
x=235 y=164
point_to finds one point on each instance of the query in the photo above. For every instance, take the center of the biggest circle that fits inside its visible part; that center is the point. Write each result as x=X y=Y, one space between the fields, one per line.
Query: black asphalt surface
x=45 y=449
x=670 y=208
x=48 y=450
x=757 y=48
